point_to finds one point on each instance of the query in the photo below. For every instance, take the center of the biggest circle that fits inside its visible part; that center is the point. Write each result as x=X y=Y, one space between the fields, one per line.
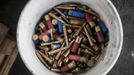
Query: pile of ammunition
x=70 y=38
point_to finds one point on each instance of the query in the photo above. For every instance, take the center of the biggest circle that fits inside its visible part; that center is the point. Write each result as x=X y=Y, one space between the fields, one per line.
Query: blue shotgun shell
x=77 y=14
x=103 y=26
x=35 y=39
x=60 y=28
x=65 y=12
x=36 y=42
x=55 y=46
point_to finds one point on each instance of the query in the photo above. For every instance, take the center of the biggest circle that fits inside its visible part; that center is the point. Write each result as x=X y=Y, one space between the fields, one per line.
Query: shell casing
x=97 y=58
x=58 y=55
x=88 y=37
x=35 y=37
x=102 y=26
x=60 y=62
x=68 y=67
x=93 y=39
x=65 y=12
x=71 y=17
x=89 y=30
x=46 y=58
x=65 y=7
x=55 y=70
x=50 y=43
x=35 y=40
x=44 y=48
x=42 y=60
x=72 y=26
x=71 y=43
x=89 y=49
x=55 y=64
x=56 y=17
x=67 y=53
x=69 y=31
x=41 y=31
x=77 y=14
x=65 y=35
x=76 y=45
x=76 y=22
x=97 y=29
x=62 y=14
x=79 y=30
x=88 y=52
x=84 y=40
x=90 y=20
x=54 y=21
x=99 y=35
x=49 y=22
x=42 y=26
x=66 y=60
x=50 y=31
x=56 y=37
x=57 y=50
x=55 y=46
x=60 y=28
x=77 y=58
x=46 y=38
x=46 y=33
x=78 y=39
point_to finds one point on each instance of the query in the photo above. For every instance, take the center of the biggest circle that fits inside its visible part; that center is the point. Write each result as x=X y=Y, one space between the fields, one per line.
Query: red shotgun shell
x=68 y=67
x=77 y=58
x=76 y=45
x=90 y=20
x=49 y=22
x=99 y=34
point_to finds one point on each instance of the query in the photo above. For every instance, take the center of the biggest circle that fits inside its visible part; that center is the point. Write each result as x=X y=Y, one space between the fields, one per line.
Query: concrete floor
x=11 y=9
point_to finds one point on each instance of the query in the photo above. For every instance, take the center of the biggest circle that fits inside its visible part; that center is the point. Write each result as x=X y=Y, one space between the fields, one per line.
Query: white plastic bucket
x=35 y=9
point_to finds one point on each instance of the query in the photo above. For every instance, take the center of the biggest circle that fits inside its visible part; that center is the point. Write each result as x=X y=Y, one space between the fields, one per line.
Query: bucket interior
x=36 y=8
